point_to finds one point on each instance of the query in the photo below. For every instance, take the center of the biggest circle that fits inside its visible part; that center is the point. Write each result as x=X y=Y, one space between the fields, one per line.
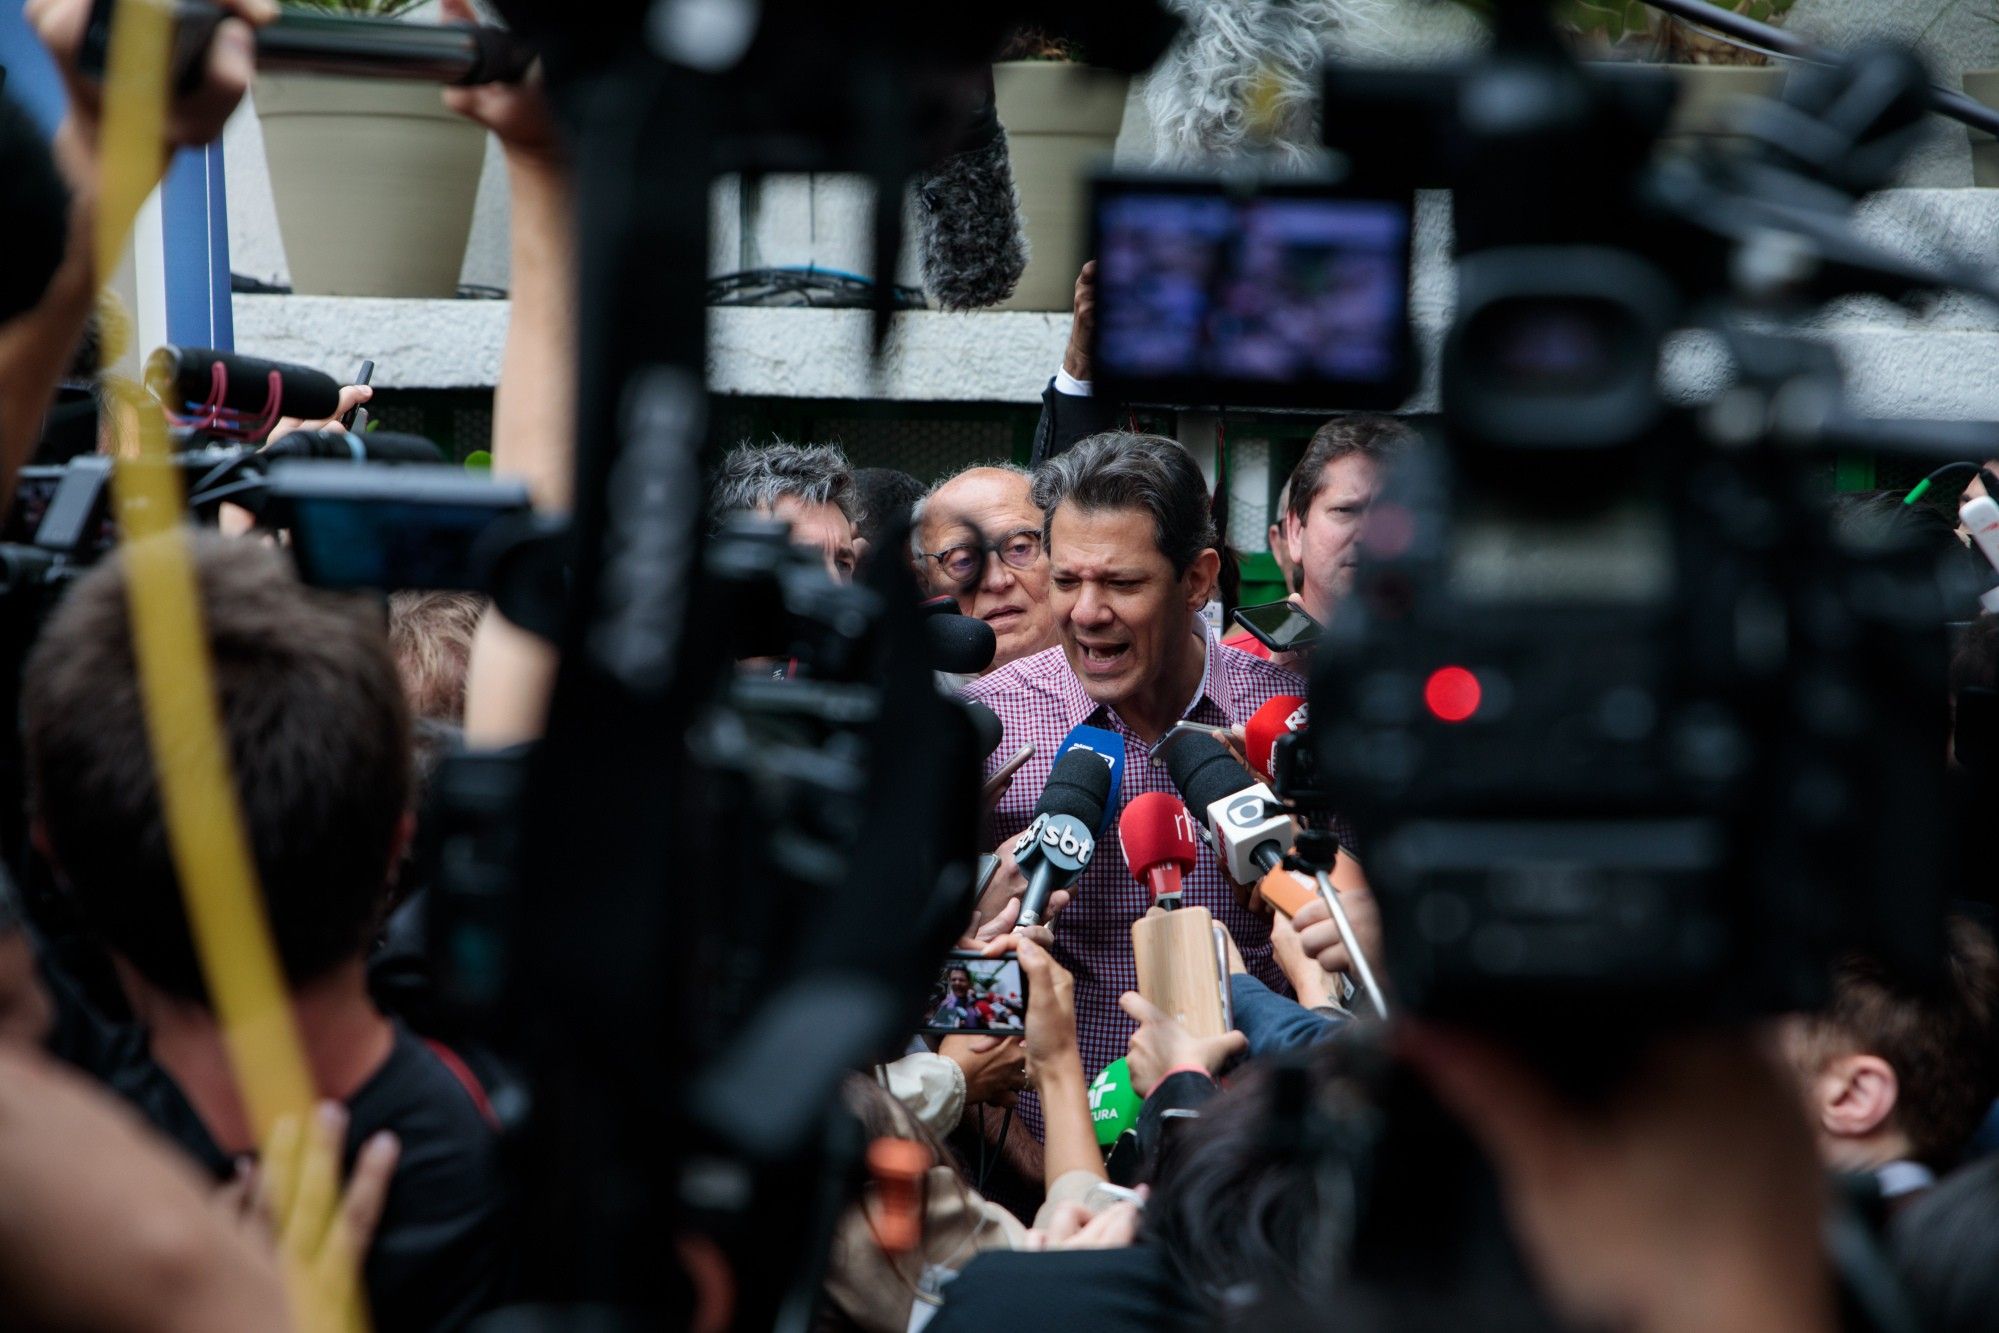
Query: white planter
x=374 y=183
x=1061 y=124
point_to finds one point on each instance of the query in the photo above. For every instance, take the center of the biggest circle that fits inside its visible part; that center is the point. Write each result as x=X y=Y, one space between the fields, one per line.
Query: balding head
x=989 y=508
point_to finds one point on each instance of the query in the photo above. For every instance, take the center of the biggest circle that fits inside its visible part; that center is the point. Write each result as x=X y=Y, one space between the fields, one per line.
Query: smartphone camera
x=974 y=993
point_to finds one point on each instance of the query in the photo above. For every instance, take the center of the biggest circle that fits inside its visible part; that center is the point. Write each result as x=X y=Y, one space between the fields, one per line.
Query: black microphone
x=178 y=376
x=1054 y=849
x=964 y=645
x=968 y=230
x=375 y=446
x=1251 y=832
x=987 y=725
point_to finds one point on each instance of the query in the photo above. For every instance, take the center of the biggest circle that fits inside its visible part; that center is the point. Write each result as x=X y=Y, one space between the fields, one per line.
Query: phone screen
x=976 y=994
x=1282 y=627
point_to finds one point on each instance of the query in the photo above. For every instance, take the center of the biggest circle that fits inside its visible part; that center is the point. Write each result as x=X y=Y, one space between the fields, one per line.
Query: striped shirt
x=1039 y=699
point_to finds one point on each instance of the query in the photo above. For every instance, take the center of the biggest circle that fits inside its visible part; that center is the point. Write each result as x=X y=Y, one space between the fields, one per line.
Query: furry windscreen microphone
x=969 y=229
x=37 y=211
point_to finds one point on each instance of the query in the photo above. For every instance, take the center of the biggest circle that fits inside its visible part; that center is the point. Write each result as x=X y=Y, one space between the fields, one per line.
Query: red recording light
x=1451 y=694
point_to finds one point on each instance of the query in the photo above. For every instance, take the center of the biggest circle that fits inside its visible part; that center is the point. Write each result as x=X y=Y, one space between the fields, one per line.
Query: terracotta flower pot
x=374 y=183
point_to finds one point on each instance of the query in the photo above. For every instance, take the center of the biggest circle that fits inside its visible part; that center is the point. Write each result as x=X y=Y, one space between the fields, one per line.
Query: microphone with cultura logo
x=1060 y=840
x=1159 y=844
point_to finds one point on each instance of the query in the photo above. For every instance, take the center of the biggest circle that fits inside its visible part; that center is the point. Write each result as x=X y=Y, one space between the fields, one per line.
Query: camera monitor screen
x=974 y=994
x=1292 y=295
x=412 y=526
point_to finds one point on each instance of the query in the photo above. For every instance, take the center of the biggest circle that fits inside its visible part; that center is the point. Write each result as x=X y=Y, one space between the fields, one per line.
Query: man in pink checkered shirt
x=1132 y=560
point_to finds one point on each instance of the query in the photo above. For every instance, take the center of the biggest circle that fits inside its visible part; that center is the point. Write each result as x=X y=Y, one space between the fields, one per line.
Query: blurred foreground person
x=1895 y=1081
x=319 y=742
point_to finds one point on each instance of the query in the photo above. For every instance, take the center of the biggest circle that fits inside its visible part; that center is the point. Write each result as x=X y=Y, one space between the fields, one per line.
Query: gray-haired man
x=810 y=486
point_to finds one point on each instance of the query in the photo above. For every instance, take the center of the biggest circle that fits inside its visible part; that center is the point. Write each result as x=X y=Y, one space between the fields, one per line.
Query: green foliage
x=374 y=9
x=1608 y=21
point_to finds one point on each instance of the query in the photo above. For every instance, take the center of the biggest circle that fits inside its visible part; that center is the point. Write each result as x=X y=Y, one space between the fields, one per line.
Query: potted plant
x=1712 y=72
x=1061 y=118
x=374 y=179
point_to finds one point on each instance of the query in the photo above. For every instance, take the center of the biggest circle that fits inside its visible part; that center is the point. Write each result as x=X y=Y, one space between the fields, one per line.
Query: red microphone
x=1281 y=716
x=1159 y=846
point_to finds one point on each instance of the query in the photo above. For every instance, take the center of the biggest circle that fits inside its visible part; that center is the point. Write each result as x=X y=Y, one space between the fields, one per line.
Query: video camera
x=1628 y=731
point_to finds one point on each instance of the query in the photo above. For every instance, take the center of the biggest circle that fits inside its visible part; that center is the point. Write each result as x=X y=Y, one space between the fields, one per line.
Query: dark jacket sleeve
x=1273 y=1022
x=1066 y=419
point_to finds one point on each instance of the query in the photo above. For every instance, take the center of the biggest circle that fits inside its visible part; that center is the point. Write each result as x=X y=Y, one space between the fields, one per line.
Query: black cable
x=1006 y=1123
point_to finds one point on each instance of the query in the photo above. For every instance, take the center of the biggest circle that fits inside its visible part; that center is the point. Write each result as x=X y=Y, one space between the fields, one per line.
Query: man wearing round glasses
x=978 y=538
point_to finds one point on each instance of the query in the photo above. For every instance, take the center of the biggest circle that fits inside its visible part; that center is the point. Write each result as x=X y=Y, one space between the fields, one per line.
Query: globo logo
x=1245 y=811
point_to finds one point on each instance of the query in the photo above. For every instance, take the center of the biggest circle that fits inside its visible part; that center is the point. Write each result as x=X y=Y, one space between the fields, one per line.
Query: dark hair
x=1974 y=662
x=1946 y=1251
x=1243 y=1216
x=1940 y=1045
x=319 y=746
x=887 y=496
x=1120 y=470
x=37 y=211
x=757 y=476
x=1365 y=433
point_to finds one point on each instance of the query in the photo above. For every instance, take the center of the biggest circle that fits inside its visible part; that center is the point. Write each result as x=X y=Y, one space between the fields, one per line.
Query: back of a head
x=1946 y=1251
x=1243 y=1215
x=887 y=497
x=1120 y=470
x=1940 y=1044
x=431 y=635
x=754 y=478
x=319 y=741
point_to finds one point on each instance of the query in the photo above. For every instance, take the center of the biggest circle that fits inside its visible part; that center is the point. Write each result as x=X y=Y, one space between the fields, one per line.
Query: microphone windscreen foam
x=1205 y=772
x=1283 y=714
x=1156 y=829
x=1079 y=785
x=969 y=231
x=964 y=645
x=986 y=725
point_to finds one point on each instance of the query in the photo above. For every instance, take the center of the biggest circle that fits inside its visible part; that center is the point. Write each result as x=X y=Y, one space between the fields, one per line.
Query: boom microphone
x=1157 y=833
x=963 y=645
x=969 y=221
x=183 y=377
x=1283 y=715
x=1054 y=849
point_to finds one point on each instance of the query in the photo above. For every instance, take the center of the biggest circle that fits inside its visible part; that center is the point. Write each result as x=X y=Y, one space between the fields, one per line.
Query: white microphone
x=1249 y=828
x=1981 y=519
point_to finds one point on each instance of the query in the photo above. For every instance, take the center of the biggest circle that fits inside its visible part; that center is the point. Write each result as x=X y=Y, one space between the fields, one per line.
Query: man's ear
x=1294 y=538
x=1855 y=1095
x=1200 y=578
x=399 y=845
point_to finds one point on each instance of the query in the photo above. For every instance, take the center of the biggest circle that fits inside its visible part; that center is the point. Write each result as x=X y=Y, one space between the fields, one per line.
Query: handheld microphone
x=1107 y=746
x=987 y=725
x=1157 y=833
x=1249 y=838
x=184 y=376
x=963 y=645
x=1284 y=714
x=377 y=446
x=1053 y=849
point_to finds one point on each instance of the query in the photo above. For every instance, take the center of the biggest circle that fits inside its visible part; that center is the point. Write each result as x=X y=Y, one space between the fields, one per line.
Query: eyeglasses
x=1019 y=549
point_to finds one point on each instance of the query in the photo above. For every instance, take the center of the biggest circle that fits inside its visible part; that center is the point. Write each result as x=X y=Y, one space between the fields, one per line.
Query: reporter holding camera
x=36 y=344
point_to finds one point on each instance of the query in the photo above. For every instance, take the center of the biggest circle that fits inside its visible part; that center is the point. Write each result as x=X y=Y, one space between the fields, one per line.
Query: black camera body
x=1629 y=734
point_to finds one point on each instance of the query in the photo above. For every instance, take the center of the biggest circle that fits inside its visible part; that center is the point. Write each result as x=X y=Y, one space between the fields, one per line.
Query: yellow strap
x=204 y=825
